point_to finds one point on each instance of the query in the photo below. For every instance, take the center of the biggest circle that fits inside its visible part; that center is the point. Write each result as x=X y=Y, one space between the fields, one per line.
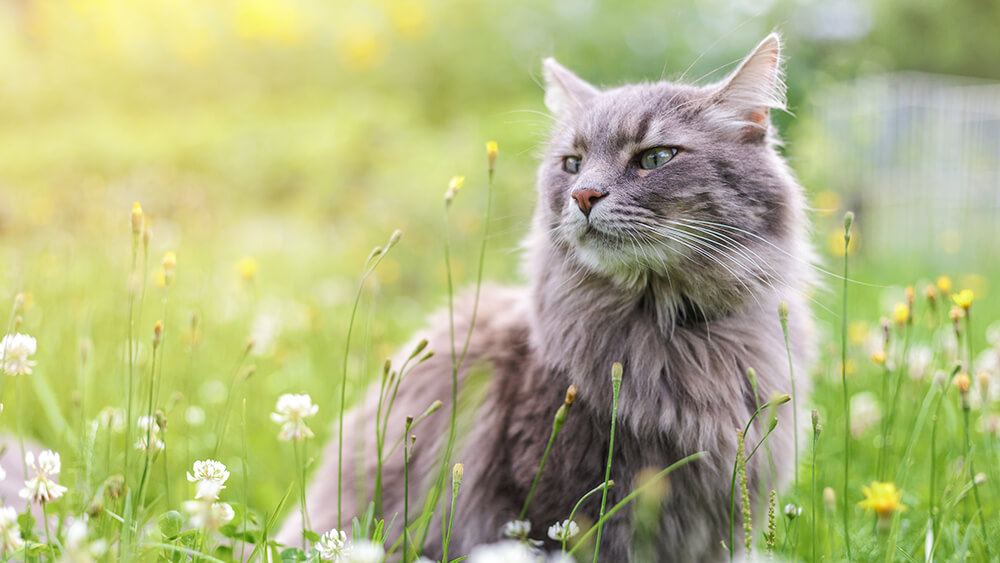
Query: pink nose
x=586 y=198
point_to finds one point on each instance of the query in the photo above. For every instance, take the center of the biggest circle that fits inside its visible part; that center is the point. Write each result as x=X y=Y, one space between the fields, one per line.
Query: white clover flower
x=41 y=489
x=792 y=511
x=208 y=514
x=563 y=531
x=332 y=546
x=292 y=410
x=210 y=475
x=14 y=352
x=364 y=551
x=76 y=549
x=517 y=529
x=10 y=532
x=502 y=552
x=149 y=435
x=112 y=419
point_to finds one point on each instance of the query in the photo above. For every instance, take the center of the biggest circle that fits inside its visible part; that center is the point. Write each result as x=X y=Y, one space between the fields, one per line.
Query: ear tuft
x=565 y=92
x=745 y=98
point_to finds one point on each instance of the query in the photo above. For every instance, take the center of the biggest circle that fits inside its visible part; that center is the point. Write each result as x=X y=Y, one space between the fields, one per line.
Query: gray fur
x=677 y=275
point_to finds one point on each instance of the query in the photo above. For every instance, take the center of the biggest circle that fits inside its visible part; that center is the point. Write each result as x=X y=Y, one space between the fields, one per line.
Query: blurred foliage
x=300 y=133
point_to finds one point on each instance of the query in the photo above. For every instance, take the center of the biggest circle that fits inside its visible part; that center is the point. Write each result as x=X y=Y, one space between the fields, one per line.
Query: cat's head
x=670 y=181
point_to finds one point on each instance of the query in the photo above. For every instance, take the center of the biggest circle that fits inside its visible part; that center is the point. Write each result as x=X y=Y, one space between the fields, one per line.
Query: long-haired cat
x=667 y=231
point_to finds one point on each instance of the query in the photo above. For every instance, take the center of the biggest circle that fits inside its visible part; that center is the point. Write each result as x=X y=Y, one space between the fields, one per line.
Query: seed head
x=848 y=222
x=457 y=472
x=394 y=238
x=931 y=294
x=783 y=311
x=616 y=372
x=157 y=334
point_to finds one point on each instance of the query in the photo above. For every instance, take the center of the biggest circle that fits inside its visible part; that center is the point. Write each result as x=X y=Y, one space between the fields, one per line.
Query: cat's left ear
x=565 y=92
x=745 y=98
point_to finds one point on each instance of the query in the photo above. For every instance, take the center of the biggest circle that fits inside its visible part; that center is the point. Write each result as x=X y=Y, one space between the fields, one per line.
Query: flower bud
x=157 y=334
x=848 y=223
x=492 y=150
x=456 y=474
x=570 y=395
x=136 y=218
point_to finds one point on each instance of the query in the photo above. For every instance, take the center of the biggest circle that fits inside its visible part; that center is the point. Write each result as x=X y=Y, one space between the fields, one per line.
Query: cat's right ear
x=565 y=92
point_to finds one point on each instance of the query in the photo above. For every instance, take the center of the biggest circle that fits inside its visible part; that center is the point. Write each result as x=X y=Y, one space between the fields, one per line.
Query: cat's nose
x=586 y=198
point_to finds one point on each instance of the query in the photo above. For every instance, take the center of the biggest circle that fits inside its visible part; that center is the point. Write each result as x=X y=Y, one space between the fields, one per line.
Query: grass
x=949 y=510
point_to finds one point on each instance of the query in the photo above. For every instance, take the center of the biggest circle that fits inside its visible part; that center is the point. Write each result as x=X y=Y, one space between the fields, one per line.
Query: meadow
x=271 y=146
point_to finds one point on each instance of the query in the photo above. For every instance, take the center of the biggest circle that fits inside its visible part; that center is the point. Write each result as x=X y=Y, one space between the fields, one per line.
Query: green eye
x=655 y=158
x=571 y=164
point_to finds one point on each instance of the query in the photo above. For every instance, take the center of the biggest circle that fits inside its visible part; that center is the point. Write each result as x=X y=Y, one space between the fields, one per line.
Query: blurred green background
x=273 y=143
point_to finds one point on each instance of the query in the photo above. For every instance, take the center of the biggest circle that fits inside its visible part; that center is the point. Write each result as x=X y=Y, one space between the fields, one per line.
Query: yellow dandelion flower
x=248 y=268
x=963 y=298
x=883 y=498
x=901 y=313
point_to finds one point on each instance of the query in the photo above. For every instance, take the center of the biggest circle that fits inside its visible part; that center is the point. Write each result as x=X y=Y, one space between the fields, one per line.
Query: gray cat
x=667 y=230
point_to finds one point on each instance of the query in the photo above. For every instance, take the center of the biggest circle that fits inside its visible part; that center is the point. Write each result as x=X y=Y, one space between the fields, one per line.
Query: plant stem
x=972 y=476
x=628 y=498
x=795 y=402
x=373 y=261
x=848 y=220
x=616 y=385
x=572 y=513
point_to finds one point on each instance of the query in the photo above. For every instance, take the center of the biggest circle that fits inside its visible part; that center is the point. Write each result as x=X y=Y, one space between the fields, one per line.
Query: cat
x=667 y=231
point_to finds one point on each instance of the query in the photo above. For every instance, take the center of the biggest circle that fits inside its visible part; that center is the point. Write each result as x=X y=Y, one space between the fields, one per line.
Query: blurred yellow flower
x=857 y=332
x=835 y=242
x=883 y=498
x=901 y=313
x=827 y=203
x=944 y=284
x=963 y=382
x=409 y=17
x=248 y=268
x=136 y=218
x=268 y=21
x=879 y=357
x=964 y=298
x=361 y=47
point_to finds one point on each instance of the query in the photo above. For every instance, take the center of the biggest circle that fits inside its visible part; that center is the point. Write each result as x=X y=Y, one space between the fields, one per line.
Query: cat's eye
x=571 y=164
x=655 y=158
